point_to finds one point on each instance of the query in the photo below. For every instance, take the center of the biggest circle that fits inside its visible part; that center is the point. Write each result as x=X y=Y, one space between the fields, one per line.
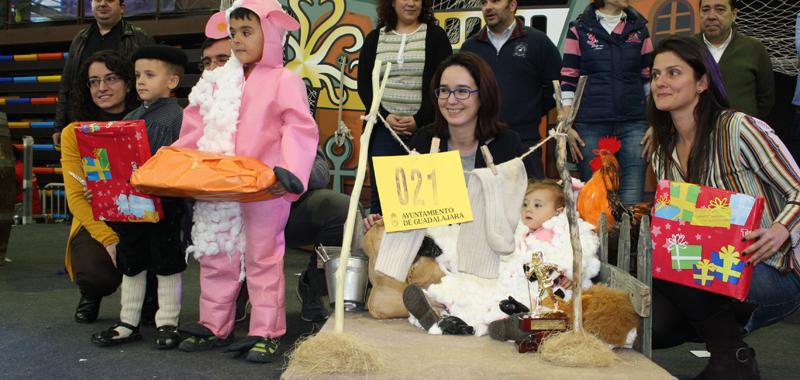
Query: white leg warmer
x=169 y=300
x=133 y=288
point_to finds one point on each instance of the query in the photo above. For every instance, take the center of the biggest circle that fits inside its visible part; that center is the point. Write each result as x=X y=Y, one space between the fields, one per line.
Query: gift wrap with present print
x=697 y=236
x=111 y=152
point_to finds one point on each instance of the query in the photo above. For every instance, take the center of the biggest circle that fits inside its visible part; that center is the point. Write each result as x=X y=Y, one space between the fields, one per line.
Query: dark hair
x=83 y=107
x=208 y=42
x=388 y=18
x=734 y=4
x=173 y=58
x=489 y=124
x=244 y=14
x=600 y=3
x=711 y=103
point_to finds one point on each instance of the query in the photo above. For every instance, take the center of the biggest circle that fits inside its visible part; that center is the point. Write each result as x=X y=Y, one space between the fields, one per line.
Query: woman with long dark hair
x=698 y=139
x=408 y=37
x=104 y=92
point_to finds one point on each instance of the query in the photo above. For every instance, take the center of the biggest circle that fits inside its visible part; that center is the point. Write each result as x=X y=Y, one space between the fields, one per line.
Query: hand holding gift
x=767 y=242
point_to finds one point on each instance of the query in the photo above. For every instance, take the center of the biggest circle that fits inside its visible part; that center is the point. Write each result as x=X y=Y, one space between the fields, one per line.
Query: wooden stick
x=349 y=225
x=565 y=122
x=487 y=156
x=435 y=145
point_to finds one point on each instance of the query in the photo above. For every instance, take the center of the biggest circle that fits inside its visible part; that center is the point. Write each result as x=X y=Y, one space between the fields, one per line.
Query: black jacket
x=132 y=38
x=525 y=68
x=437 y=49
x=503 y=147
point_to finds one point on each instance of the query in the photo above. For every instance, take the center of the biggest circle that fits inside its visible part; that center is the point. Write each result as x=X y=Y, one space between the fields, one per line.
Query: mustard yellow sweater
x=76 y=200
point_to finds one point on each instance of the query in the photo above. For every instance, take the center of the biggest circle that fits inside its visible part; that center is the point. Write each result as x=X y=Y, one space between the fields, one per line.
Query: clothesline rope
x=551 y=135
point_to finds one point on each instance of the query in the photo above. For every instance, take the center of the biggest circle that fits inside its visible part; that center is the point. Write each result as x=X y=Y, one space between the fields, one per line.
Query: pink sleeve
x=300 y=136
x=191 y=128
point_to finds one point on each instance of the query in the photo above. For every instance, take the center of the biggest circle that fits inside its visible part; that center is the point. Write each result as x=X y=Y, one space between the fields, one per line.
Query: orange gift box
x=190 y=173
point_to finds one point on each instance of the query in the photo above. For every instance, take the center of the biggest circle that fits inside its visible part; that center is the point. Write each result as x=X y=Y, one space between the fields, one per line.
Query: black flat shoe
x=88 y=309
x=167 y=337
x=108 y=337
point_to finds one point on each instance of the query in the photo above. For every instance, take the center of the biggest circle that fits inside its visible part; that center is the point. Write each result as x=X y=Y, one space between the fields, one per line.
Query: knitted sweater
x=437 y=49
x=747 y=73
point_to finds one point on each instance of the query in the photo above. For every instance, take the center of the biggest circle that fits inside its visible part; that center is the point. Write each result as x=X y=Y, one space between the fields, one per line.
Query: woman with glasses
x=408 y=37
x=103 y=91
x=466 y=116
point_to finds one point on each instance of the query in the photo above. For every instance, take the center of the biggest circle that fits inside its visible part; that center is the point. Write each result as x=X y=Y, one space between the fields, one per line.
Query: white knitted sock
x=397 y=252
x=169 y=300
x=133 y=288
x=495 y=201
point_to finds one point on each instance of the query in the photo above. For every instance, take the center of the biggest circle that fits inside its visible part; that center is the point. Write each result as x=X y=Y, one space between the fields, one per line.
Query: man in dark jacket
x=743 y=60
x=525 y=63
x=109 y=32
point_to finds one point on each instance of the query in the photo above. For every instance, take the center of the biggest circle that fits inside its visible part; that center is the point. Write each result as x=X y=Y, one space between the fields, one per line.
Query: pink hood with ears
x=274 y=24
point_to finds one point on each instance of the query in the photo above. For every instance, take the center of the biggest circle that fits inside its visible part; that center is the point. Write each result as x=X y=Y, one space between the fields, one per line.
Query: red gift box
x=111 y=152
x=697 y=236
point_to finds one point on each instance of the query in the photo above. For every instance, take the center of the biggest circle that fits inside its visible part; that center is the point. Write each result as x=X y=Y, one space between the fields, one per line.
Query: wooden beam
x=33 y=34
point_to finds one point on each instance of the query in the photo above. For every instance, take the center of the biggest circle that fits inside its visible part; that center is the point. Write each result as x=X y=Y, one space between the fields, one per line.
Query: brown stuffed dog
x=386 y=297
x=607 y=313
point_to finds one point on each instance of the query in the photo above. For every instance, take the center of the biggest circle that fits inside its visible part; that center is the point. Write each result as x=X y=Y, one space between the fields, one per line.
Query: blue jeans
x=776 y=294
x=632 y=166
x=381 y=143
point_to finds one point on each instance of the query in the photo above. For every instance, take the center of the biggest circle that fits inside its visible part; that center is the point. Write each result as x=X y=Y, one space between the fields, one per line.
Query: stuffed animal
x=386 y=297
x=607 y=313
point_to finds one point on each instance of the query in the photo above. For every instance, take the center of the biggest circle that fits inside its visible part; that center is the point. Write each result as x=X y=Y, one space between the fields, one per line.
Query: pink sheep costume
x=275 y=126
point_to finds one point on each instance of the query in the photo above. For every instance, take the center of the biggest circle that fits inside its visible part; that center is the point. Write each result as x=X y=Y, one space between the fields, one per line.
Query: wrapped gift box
x=111 y=152
x=697 y=236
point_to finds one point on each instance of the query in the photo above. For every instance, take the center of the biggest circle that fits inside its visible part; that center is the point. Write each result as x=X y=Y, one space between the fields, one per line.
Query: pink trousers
x=219 y=275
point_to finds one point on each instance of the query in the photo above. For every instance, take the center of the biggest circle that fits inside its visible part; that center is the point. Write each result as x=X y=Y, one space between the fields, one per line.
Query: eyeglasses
x=208 y=63
x=109 y=80
x=461 y=93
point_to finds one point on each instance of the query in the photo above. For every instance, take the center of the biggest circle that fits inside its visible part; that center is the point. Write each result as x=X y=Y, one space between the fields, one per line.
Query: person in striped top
x=698 y=139
x=610 y=44
x=408 y=37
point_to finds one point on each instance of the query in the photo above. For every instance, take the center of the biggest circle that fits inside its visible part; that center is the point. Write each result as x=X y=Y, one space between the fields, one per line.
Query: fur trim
x=218 y=226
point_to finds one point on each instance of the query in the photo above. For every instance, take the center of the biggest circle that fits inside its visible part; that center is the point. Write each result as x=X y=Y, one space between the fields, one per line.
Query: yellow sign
x=421 y=191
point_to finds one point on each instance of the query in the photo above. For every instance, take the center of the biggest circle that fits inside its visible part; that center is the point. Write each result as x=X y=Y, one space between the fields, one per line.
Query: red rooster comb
x=606 y=145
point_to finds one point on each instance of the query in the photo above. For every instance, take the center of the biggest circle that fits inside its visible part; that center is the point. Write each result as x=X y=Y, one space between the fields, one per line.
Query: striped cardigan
x=747 y=157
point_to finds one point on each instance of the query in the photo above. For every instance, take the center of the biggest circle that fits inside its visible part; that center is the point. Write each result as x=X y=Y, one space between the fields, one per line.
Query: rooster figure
x=600 y=194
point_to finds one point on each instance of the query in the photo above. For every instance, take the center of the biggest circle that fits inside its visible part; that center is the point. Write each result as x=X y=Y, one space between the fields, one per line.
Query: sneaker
x=311 y=308
x=203 y=343
x=507 y=329
x=417 y=304
x=264 y=351
x=201 y=338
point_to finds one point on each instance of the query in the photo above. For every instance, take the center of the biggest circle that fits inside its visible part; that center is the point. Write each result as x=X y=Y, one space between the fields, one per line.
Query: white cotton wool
x=476 y=300
x=218 y=96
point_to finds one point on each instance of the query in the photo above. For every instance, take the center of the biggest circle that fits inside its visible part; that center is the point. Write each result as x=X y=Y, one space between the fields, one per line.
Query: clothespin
x=489 y=159
x=435 y=145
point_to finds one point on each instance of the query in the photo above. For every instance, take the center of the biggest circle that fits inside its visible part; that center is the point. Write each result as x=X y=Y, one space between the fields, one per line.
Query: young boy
x=145 y=246
x=251 y=106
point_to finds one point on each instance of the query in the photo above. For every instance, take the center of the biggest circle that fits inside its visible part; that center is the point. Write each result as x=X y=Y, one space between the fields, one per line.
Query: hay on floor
x=332 y=353
x=576 y=349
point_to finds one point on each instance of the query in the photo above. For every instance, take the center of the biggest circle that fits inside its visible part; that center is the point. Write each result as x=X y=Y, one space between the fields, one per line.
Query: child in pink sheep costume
x=254 y=107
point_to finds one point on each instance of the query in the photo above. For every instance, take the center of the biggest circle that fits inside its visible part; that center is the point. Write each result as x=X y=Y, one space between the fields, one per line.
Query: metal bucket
x=356 y=277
